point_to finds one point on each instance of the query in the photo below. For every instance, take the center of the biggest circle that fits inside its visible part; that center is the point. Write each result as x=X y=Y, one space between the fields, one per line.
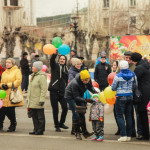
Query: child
x=97 y=118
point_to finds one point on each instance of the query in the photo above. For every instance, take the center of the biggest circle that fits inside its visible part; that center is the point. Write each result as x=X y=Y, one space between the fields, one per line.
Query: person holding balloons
x=123 y=85
x=12 y=75
x=59 y=81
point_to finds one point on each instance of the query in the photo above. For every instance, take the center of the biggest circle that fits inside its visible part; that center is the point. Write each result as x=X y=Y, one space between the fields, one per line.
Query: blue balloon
x=87 y=95
x=64 y=49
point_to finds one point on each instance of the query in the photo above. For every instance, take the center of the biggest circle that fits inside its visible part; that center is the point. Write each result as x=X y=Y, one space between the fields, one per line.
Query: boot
x=76 y=125
x=12 y=127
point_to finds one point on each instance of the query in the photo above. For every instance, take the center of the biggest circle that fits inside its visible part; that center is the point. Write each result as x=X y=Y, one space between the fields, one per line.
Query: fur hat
x=123 y=65
x=38 y=65
x=75 y=61
x=84 y=74
x=136 y=57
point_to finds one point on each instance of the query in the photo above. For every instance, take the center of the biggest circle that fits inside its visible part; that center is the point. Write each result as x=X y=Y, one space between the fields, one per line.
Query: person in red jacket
x=2 y=69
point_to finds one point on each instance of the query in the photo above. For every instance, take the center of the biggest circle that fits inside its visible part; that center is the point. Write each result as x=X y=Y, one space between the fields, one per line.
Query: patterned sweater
x=96 y=111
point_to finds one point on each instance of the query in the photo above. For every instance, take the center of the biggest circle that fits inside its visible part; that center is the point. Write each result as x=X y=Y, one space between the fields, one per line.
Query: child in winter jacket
x=97 y=118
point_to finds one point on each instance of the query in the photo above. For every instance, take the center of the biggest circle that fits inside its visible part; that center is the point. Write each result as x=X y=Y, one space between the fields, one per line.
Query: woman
x=10 y=76
x=74 y=95
x=143 y=76
x=115 y=66
x=74 y=69
x=36 y=98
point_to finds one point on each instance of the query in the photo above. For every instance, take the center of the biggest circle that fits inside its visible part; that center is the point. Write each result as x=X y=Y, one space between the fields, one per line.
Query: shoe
x=87 y=134
x=63 y=126
x=128 y=138
x=58 y=129
x=139 y=137
x=143 y=138
x=122 y=139
x=117 y=133
x=100 y=138
x=94 y=138
x=78 y=136
x=12 y=127
x=31 y=133
x=38 y=133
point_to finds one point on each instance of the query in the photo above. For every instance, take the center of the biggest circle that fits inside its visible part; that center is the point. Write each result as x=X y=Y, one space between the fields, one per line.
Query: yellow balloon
x=108 y=93
x=102 y=98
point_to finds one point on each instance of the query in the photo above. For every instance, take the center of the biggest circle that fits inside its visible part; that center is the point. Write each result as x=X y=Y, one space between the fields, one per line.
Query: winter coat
x=24 y=66
x=101 y=73
x=37 y=90
x=72 y=73
x=142 y=72
x=98 y=61
x=2 y=69
x=96 y=111
x=123 y=83
x=76 y=88
x=59 y=77
x=10 y=76
x=84 y=67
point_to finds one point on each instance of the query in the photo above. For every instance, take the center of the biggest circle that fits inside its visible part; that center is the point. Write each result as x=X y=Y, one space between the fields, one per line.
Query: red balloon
x=95 y=84
x=111 y=77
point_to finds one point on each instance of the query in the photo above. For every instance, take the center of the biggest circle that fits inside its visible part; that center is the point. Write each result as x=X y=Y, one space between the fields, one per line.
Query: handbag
x=15 y=95
x=136 y=93
x=81 y=109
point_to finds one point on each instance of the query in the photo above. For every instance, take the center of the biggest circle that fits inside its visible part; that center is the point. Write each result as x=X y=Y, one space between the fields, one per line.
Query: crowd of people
x=67 y=87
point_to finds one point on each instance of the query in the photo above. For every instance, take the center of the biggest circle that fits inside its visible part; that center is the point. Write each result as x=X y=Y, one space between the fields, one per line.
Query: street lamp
x=75 y=26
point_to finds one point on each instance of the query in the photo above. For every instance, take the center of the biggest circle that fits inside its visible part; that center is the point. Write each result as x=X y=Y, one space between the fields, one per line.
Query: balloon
x=2 y=94
x=49 y=49
x=111 y=77
x=108 y=108
x=108 y=93
x=95 y=84
x=87 y=94
x=49 y=76
x=102 y=98
x=111 y=101
x=57 y=42
x=97 y=89
x=64 y=49
x=44 y=68
x=1 y=104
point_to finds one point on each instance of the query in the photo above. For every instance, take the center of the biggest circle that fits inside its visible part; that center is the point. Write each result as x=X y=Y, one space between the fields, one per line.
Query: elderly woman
x=12 y=75
x=74 y=69
x=36 y=98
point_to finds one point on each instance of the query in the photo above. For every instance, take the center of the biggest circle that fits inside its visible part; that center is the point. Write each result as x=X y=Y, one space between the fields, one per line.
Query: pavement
x=52 y=140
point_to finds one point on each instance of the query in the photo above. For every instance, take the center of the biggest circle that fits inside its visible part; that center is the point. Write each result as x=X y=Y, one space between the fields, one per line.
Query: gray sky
x=45 y=8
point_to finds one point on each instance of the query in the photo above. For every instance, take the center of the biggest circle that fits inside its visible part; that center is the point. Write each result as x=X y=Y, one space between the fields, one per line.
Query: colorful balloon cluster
x=57 y=42
x=2 y=96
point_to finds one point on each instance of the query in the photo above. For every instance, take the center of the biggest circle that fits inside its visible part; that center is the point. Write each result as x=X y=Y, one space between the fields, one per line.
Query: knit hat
x=128 y=53
x=38 y=65
x=95 y=95
x=12 y=60
x=75 y=61
x=136 y=57
x=84 y=74
x=123 y=65
x=103 y=53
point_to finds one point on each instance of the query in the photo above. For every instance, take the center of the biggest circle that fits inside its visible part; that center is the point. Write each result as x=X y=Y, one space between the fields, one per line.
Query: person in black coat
x=59 y=81
x=83 y=66
x=101 y=73
x=74 y=95
x=142 y=72
x=24 y=64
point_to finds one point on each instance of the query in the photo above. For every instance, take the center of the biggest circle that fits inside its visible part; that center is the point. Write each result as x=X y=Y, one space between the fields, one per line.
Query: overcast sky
x=55 y=7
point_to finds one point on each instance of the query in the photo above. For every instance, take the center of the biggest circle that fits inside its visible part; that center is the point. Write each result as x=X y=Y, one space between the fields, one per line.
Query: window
x=5 y=2
x=105 y=22
x=106 y=3
x=132 y=2
x=14 y=2
x=133 y=20
x=9 y=18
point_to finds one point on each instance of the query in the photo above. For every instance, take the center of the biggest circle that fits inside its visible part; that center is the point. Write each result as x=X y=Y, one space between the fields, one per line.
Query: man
x=101 y=73
x=59 y=81
x=103 y=53
x=74 y=54
x=24 y=64
x=83 y=66
x=34 y=58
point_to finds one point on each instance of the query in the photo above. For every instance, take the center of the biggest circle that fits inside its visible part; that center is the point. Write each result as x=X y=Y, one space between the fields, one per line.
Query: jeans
x=124 y=107
x=25 y=82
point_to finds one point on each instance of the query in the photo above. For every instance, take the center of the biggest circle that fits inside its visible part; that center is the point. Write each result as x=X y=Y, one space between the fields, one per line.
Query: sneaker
x=122 y=139
x=139 y=137
x=100 y=138
x=94 y=138
x=128 y=138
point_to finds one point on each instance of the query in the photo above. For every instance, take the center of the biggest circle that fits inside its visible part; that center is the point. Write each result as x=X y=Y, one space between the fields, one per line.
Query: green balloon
x=2 y=94
x=57 y=42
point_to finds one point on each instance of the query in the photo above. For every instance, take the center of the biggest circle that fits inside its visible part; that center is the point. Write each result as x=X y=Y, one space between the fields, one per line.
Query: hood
x=74 y=69
x=143 y=63
x=126 y=74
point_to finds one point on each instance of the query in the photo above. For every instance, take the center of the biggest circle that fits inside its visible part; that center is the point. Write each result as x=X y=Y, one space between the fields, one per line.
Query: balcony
x=12 y=7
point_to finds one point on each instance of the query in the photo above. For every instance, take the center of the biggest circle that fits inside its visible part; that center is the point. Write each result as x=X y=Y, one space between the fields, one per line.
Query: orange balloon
x=111 y=101
x=49 y=49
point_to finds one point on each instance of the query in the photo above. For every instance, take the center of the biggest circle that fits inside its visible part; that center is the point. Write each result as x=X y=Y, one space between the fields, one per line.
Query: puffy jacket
x=24 y=66
x=59 y=76
x=123 y=83
x=76 y=88
x=10 y=76
x=101 y=73
x=37 y=90
x=72 y=73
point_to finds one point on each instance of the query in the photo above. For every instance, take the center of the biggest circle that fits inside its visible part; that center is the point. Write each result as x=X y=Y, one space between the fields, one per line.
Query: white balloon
x=108 y=108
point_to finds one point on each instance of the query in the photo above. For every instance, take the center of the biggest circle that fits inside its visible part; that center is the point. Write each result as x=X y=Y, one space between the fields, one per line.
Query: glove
x=101 y=119
x=4 y=86
x=41 y=103
x=89 y=101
